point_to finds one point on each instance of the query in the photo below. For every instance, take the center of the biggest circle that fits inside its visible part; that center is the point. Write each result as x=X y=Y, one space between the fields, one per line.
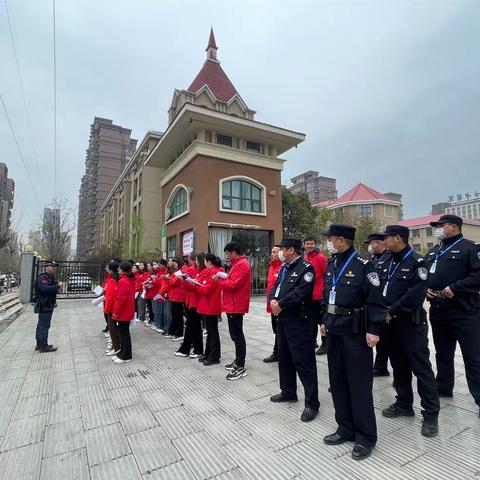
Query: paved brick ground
x=75 y=415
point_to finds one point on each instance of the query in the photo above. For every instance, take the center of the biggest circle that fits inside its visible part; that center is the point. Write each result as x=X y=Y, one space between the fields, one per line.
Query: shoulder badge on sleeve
x=478 y=254
x=374 y=279
x=308 y=277
x=423 y=273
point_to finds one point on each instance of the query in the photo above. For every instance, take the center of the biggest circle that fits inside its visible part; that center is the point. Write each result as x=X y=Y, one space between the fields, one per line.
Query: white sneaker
x=119 y=360
x=160 y=330
x=145 y=323
x=106 y=334
x=194 y=355
x=112 y=352
x=114 y=357
x=176 y=339
x=109 y=347
x=180 y=354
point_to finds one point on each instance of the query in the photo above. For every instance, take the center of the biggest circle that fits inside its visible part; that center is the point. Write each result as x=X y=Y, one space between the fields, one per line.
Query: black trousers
x=274 y=329
x=105 y=315
x=193 y=333
x=296 y=354
x=44 y=322
x=176 y=327
x=149 y=305
x=315 y=307
x=449 y=327
x=114 y=333
x=212 y=345
x=125 y=340
x=351 y=381
x=409 y=354
x=381 y=358
x=235 y=328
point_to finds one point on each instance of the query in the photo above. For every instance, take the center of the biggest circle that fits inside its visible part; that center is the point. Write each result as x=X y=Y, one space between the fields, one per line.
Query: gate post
x=26 y=271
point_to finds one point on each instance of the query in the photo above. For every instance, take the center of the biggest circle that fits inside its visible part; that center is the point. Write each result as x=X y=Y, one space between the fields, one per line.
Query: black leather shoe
x=47 y=349
x=360 y=452
x=380 y=373
x=430 y=428
x=394 y=411
x=272 y=358
x=280 y=397
x=334 y=439
x=308 y=414
x=207 y=363
x=202 y=358
x=322 y=350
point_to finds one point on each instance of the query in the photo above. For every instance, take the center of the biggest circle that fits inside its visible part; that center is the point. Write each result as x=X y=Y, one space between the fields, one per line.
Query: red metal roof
x=361 y=193
x=216 y=79
x=211 y=40
x=419 y=221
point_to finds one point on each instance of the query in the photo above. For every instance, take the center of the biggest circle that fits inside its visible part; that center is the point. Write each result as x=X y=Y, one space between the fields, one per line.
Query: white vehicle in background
x=79 y=282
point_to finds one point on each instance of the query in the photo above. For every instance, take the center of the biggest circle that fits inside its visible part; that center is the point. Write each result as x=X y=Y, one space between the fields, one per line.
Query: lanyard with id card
x=333 y=294
x=282 y=275
x=391 y=274
x=440 y=252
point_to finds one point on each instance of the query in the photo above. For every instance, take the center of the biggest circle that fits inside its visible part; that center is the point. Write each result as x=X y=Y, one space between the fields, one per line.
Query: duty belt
x=439 y=294
x=335 y=310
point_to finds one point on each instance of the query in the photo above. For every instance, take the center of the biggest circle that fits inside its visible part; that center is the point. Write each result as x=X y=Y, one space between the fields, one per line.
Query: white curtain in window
x=218 y=238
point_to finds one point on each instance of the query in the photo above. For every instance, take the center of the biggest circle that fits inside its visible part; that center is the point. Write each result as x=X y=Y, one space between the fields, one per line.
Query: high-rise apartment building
x=7 y=189
x=317 y=188
x=109 y=150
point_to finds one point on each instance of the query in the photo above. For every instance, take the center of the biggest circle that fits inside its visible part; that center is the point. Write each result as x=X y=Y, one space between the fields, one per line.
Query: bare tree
x=55 y=230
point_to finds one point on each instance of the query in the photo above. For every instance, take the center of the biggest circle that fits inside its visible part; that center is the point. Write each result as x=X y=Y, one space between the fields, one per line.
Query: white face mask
x=331 y=248
x=370 y=250
x=281 y=256
x=439 y=233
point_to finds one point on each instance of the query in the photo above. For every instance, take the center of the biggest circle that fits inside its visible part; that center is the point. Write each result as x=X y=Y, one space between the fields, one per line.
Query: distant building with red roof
x=363 y=201
x=422 y=234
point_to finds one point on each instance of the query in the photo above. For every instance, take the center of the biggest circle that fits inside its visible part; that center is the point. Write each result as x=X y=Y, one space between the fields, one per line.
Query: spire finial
x=212 y=47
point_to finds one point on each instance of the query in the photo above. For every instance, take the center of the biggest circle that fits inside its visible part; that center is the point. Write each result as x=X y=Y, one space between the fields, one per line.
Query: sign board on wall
x=187 y=242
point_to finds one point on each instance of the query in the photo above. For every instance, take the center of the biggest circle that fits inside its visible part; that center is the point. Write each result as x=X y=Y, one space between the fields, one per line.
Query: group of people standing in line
x=357 y=302
x=164 y=293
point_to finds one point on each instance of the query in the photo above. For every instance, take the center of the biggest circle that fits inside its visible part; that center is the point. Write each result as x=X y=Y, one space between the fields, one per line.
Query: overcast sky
x=387 y=93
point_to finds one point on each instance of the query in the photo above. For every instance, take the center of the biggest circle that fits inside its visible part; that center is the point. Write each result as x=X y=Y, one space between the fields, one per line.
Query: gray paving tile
x=24 y=431
x=175 y=471
x=31 y=406
x=115 y=380
x=152 y=449
x=63 y=437
x=125 y=396
x=160 y=399
x=22 y=463
x=105 y=444
x=71 y=466
x=92 y=394
x=63 y=408
x=101 y=414
x=124 y=467
x=221 y=427
x=136 y=418
x=177 y=422
x=203 y=455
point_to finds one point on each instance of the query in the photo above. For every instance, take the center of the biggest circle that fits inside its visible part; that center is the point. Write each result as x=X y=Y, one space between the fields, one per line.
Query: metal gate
x=79 y=278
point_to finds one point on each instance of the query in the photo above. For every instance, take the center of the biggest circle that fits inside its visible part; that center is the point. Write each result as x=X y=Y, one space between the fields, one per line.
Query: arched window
x=242 y=195
x=177 y=204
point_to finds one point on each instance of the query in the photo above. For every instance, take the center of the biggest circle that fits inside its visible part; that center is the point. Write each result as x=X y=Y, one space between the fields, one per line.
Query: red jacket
x=110 y=289
x=317 y=259
x=173 y=287
x=140 y=278
x=191 y=295
x=209 y=293
x=273 y=272
x=236 y=288
x=124 y=304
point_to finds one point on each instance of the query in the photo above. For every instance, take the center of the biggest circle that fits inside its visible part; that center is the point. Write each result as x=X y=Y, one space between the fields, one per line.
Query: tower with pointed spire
x=211 y=88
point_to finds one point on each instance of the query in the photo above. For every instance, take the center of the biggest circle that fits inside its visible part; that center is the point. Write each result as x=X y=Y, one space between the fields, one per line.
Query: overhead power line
x=19 y=150
x=20 y=81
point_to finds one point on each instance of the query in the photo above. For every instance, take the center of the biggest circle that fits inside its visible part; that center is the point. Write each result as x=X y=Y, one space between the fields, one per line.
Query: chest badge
x=350 y=274
x=294 y=274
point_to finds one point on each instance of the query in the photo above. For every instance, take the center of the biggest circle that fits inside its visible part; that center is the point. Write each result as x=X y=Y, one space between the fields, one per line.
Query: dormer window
x=224 y=140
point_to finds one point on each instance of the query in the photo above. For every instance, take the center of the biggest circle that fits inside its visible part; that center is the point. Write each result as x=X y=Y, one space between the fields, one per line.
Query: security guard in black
x=290 y=300
x=404 y=287
x=351 y=312
x=454 y=285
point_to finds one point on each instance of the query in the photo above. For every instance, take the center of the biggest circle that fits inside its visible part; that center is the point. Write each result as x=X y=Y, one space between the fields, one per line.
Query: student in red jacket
x=274 y=269
x=149 y=293
x=105 y=330
x=141 y=278
x=235 y=303
x=124 y=311
x=193 y=329
x=210 y=306
x=172 y=288
x=110 y=291
x=159 y=304
x=314 y=256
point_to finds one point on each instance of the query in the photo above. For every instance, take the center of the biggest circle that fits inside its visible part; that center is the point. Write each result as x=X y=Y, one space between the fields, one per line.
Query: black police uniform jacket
x=357 y=289
x=296 y=289
x=407 y=287
x=380 y=259
x=459 y=269
x=46 y=289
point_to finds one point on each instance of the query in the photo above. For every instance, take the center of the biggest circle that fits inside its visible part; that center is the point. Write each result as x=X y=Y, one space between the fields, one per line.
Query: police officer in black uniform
x=352 y=314
x=379 y=257
x=404 y=287
x=46 y=289
x=453 y=293
x=290 y=300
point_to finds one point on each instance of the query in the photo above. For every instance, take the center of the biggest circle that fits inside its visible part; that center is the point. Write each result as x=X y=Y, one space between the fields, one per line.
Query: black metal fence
x=79 y=278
